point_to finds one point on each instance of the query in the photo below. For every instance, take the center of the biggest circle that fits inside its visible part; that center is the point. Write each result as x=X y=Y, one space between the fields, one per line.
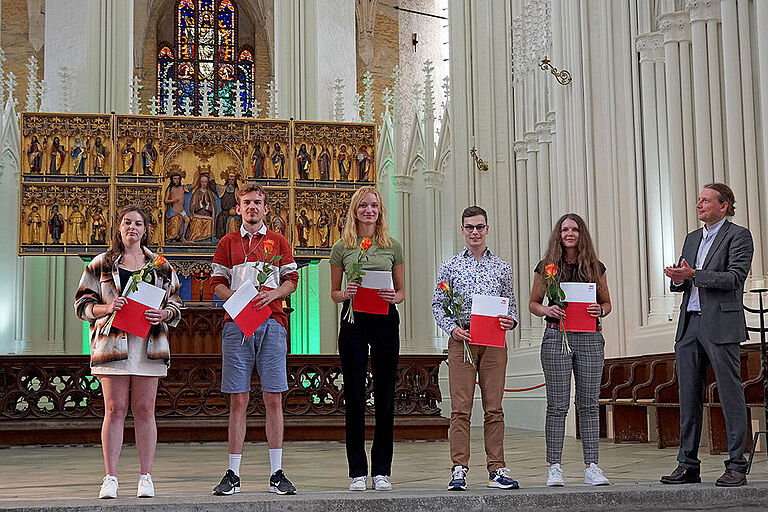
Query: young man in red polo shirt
x=236 y=256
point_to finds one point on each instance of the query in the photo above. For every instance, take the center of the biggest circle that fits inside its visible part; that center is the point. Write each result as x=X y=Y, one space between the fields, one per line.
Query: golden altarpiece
x=79 y=170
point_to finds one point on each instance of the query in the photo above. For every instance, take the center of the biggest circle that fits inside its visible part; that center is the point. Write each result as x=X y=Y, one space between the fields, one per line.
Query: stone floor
x=35 y=473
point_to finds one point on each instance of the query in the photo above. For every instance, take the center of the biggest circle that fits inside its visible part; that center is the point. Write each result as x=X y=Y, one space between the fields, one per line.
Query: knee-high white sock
x=275 y=459
x=234 y=462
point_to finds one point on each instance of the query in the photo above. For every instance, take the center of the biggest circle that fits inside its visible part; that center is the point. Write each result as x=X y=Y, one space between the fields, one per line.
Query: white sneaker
x=359 y=483
x=108 y=487
x=593 y=475
x=146 y=487
x=555 y=476
x=381 y=483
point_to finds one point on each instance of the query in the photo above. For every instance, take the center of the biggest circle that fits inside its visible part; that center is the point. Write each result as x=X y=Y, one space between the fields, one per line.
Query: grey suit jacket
x=720 y=282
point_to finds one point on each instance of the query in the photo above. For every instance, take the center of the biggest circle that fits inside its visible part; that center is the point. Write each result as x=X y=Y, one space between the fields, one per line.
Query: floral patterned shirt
x=464 y=274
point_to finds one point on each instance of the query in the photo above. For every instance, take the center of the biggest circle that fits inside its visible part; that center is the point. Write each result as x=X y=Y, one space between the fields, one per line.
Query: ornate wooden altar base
x=56 y=400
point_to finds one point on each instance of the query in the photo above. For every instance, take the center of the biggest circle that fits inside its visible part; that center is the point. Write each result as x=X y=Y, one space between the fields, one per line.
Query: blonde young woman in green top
x=366 y=218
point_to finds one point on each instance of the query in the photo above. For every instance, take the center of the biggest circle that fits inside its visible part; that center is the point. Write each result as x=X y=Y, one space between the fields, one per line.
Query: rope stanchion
x=522 y=389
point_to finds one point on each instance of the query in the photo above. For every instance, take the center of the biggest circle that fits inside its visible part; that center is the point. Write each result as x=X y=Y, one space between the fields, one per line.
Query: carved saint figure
x=278 y=162
x=324 y=164
x=345 y=166
x=324 y=227
x=98 y=227
x=176 y=218
x=340 y=221
x=78 y=155
x=77 y=226
x=129 y=157
x=227 y=217
x=276 y=221
x=56 y=224
x=148 y=157
x=303 y=161
x=35 y=156
x=257 y=159
x=99 y=157
x=35 y=222
x=202 y=205
x=57 y=157
x=303 y=224
x=363 y=161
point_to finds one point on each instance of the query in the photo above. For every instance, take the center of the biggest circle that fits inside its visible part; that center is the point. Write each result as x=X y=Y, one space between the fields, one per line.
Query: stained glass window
x=206 y=53
x=165 y=71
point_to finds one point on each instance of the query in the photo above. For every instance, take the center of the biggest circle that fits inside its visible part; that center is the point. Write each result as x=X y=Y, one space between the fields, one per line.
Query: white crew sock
x=275 y=459
x=234 y=462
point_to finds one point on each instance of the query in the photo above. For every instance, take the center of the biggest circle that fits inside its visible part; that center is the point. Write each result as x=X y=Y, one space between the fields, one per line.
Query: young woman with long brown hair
x=571 y=250
x=127 y=366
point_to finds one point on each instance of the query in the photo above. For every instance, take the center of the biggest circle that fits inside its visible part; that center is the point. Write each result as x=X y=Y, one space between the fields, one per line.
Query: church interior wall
x=15 y=40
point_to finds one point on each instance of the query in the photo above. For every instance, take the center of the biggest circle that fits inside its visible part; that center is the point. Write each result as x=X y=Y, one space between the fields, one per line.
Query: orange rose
x=269 y=246
x=365 y=244
x=551 y=270
x=160 y=260
x=443 y=286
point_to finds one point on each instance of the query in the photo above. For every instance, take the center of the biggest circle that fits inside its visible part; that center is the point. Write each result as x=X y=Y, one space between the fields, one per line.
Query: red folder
x=579 y=296
x=251 y=318
x=130 y=318
x=484 y=326
x=487 y=331
x=577 y=319
x=367 y=300
x=240 y=307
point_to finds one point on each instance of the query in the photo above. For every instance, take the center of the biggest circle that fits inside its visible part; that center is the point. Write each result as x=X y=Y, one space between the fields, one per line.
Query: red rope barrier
x=522 y=389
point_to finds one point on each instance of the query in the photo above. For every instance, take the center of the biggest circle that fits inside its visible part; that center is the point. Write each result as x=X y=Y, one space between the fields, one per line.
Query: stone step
x=626 y=497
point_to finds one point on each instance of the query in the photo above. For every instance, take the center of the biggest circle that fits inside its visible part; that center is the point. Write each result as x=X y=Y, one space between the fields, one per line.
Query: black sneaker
x=230 y=484
x=279 y=484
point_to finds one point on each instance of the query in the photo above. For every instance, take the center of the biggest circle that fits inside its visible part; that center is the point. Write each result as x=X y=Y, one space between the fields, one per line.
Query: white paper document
x=580 y=292
x=377 y=280
x=238 y=300
x=147 y=294
x=488 y=305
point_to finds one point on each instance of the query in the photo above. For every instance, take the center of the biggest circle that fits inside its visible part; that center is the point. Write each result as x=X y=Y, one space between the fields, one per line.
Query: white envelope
x=488 y=305
x=377 y=280
x=580 y=292
x=238 y=300
x=147 y=294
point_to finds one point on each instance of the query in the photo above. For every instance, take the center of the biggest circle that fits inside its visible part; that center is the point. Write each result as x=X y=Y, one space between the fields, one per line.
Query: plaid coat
x=100 y=284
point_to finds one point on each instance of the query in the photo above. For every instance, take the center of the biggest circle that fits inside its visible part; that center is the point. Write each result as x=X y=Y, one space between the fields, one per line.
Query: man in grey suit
x=710 y=329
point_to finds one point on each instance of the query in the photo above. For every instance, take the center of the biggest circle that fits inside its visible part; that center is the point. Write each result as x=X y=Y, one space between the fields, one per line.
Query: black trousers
x=382 y=334
x=693 y=357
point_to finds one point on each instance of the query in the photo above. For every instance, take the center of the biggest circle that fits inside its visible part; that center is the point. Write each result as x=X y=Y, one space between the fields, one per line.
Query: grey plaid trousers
x=586 y=363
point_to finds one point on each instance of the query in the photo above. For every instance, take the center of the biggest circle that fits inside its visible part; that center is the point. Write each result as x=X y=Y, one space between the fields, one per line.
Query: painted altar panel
x=81 y=169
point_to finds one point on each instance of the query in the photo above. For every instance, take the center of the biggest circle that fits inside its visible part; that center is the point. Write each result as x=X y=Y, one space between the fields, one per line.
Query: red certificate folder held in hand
x=367 y=298
x=579 y=296
x=130 y=318
x=484 y=326
x=241 y=306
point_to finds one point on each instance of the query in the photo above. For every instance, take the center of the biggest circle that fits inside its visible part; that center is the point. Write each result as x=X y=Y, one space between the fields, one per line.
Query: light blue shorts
x=266 y=348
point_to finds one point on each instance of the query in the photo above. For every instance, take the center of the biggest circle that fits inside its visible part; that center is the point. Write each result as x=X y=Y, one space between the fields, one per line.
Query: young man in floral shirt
x=476 y=270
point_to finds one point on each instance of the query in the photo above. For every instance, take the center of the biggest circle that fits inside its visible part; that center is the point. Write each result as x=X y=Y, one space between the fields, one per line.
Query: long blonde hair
x=588 y=265
x=381 y=234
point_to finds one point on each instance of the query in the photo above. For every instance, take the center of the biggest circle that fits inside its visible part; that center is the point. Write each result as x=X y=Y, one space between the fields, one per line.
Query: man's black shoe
x=230 y=484
x=682 y=476
x=279 y=483
x=731 y=478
